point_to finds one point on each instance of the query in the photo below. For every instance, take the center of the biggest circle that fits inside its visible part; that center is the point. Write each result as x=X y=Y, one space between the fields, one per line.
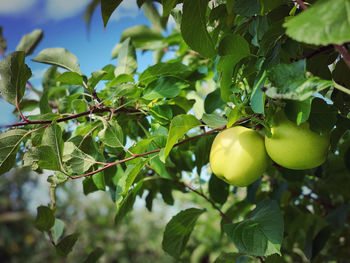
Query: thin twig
x=73 y=116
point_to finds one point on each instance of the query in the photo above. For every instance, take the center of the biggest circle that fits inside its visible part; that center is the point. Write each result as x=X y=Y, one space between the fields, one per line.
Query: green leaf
x=45 y=218
x=27 y=105
x=43 y=157
x=298 y=111
x=30 y=41
x=152 y=15
x=9 y=144
x=268 y=5
x=89 y=10
x=323 y=117
x=89 y=186
x=178 y=230
x=14 y=76
x=127 y=63
x=234 y=45
x=262 y=233
x=140 y=34
x=218 y=189
x=175 y=69
x=57 y=229
x=246 y=7
x=213 y=120
x=179 y=126
x=338 y=216
x=96 y=76
x=232 y=49
x=164 y=87
x=127 y=203
x=194 y=28
x=66 y=245
x=202 y=150
x=234 y=115
x=129 y=176
x=326 y=21
x=320 y=240
x=76 y=161
x=80 y=106
x=112 y=134
x=288 y=81
x=53 y=137
x=168 y=6
x=70 y=78
x=107 y=9
x=99 y=181
x=257 y=99
x=94 y=256
x=213 y=101
x=59 y=57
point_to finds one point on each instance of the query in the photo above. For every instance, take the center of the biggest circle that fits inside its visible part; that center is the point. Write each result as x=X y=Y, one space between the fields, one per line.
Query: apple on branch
x=238 y=156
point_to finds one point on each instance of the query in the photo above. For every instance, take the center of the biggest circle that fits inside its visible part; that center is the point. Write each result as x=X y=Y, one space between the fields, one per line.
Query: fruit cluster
x=239 y=155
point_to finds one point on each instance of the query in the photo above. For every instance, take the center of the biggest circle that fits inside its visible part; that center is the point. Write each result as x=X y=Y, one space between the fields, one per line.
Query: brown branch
x=301 y=4
x=341 y=49
x=158 y=150
x=74 y=116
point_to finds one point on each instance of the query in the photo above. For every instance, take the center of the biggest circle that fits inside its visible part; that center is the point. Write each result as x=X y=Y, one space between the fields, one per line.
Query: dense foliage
x=149 y=133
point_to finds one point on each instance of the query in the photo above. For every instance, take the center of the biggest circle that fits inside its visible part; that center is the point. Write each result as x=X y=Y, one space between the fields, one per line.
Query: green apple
x=238 y=156
x=295 y=147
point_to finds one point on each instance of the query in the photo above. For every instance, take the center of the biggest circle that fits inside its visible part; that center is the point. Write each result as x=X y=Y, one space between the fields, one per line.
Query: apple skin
x=238 y=156
x=295 y=147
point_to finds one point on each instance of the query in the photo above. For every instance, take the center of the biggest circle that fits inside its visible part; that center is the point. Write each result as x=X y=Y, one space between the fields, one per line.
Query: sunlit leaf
x=179 y=126
x=14 y=76
x=9 y=144
x=59 y=57
x=194 y=29
x=326 y=21
x=30 y=41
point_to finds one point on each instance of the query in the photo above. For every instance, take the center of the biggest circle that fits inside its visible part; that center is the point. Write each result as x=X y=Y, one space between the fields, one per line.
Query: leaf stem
x=20 y=112
x=341 y=88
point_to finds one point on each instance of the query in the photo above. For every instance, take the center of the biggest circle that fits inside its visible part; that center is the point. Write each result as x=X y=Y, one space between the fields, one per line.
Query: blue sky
x=63 y=26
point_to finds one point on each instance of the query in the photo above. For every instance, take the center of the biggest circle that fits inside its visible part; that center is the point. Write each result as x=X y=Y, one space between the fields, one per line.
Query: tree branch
x=341 y=49
x=73 y=116
x=157 y=150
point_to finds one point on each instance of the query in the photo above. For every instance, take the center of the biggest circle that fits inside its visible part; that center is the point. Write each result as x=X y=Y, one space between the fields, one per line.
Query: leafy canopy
x=133 y=133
